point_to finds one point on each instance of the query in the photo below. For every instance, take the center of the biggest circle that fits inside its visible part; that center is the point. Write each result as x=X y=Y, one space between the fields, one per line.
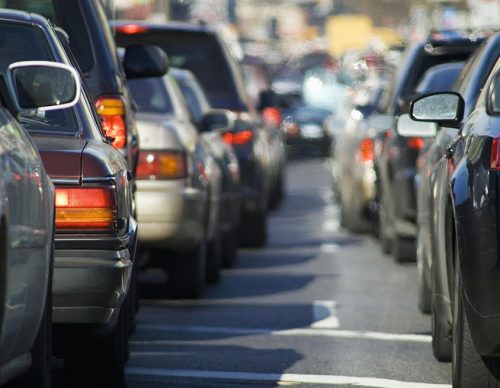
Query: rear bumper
x=170 y=215
x=89 y=285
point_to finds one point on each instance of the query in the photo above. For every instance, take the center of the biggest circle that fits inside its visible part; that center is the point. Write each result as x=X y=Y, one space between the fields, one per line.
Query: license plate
x=310 y=131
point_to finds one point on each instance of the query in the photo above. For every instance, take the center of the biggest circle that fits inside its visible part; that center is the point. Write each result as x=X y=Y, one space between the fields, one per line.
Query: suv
x=396 y=160
x=198 y=48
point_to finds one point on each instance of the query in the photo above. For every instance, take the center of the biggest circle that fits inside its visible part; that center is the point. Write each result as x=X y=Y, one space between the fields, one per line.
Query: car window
x=22 y=42
x=151 y=95
x=203 y=55
x=439 y=79
x=69 y=16
x=194 y=97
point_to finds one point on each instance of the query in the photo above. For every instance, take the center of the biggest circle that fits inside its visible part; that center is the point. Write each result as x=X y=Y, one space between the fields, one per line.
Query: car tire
x=186 y=273
x=229 y=248
x=277 y=192
x=214 y=258
x=424 y=289
x=403 y=249
x=39 y=375
x=469 y=369
x=253 y=231
x=91 y=360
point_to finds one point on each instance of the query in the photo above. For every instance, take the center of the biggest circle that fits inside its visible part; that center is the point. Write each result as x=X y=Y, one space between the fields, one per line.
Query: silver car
x=178 y=189
x=27 y=226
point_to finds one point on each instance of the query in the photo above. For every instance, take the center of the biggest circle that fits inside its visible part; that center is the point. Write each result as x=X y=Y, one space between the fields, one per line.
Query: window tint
x=19 y=42
x=203 y=55
x=151 y=95
x=439 y=79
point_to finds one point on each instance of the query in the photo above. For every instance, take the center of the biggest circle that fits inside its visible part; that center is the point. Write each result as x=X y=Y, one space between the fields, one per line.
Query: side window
x=481 y=101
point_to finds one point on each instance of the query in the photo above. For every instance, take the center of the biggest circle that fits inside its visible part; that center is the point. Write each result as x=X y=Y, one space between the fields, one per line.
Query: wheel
x=277 y=192
x=214 y=258
x=91 y=360
x=424 y=290
x=469 y=369
x=39 y=375
x=229 y=248
x=253 y=230
x=186 y=273
x=403 y=249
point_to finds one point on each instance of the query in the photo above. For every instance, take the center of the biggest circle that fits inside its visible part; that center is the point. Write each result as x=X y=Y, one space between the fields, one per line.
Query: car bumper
x=170 y=215
x=89 y=285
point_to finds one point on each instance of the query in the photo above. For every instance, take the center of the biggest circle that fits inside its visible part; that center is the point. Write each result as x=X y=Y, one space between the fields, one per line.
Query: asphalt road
x=317 y=307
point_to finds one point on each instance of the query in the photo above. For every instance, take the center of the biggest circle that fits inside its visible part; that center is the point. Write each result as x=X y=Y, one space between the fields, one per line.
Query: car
x=27 y=224
x=224 y=155
x=178 y=208
x=396 y=161
x=199 y=48
x=467 y=226
x=438 y=204
x=95 y=229
x=353 y=153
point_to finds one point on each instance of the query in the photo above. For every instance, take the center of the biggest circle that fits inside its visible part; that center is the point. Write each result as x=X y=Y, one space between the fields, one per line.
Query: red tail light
x=161 y=165
x=90 y=209
x=366 y=150
x=238 y=138
x=131 y=29
x=111 y=110
x=272 y=117
x=416 y=143
x=495 y=154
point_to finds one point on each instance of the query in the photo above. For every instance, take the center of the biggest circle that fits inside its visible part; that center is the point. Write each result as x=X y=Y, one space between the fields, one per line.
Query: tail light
x=161 y=165
x=366 y=152
x=272 y=117
x=111 y=110
x=416 y=143
x=238 y=138
x=495 y=154
x=91 y=209
x=131 y=29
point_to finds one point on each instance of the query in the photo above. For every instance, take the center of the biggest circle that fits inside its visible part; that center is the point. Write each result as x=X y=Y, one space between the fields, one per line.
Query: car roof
x=22 y=16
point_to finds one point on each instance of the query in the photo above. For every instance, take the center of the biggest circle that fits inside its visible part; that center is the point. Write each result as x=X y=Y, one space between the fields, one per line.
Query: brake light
x=366 y=150
x=416 y=143
x=86 y=209
x=111 y=110
x=131 y=29
x=238 y=138
x=495 y=154
x=154 y=165
x=272 y=117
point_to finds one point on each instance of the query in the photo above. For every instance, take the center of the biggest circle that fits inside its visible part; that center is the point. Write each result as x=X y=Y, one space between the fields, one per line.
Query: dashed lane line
x=278 y=378
x=306 y=332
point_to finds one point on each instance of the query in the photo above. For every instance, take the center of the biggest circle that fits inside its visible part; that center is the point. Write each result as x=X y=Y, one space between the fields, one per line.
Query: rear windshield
x=203 y=55
x=66 y=14
x=21 y=42
x=151 y=95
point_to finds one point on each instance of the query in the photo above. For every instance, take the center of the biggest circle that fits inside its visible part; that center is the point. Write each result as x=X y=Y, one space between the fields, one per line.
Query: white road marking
x=329 y=248
x=280 y=378
x=325 y=315
x=331 y=226
x=306 y=332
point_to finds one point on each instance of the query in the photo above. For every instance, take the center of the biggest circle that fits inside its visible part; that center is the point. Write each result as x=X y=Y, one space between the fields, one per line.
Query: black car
x=199 y=48
x=396 y=161
x=440 y=198
x=199 y=107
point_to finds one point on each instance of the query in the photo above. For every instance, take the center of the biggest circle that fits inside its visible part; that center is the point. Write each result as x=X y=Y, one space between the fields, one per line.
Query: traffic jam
x=221 y=193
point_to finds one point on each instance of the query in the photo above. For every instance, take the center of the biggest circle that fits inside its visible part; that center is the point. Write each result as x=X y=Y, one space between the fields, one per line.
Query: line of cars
x=113 y=161
x=445 y=202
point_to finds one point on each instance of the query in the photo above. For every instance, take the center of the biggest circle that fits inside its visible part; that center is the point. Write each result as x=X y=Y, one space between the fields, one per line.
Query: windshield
x=151 y=95
x=21 y=42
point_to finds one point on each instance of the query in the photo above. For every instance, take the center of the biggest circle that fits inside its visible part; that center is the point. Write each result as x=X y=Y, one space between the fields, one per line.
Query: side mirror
x=142 y=61
x=445 y=108
x=494 y=95
x=407 y=127
x=220 y=120
x=267 y=99
x=43 y=85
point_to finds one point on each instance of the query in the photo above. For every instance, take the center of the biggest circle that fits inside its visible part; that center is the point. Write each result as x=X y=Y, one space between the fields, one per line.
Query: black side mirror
x=442 y=108
x=220 y=120
x=267 y=99
x=142 y=61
